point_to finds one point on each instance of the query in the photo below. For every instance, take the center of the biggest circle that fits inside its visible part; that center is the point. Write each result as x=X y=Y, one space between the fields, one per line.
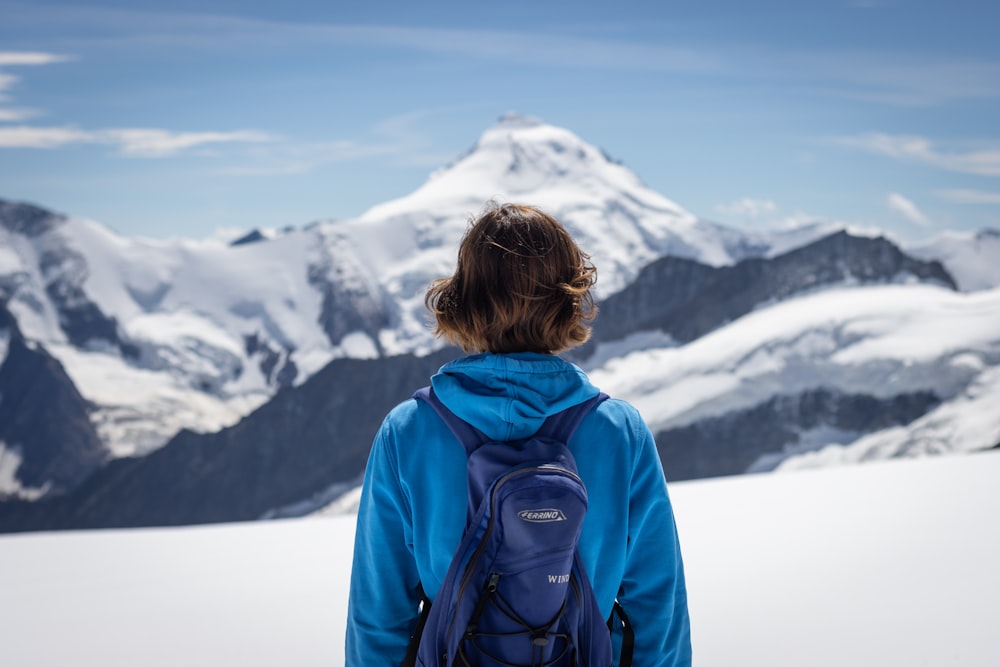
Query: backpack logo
x=541 y=516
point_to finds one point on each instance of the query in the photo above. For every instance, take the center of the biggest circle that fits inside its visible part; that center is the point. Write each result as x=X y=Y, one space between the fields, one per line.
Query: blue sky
x=182 y=118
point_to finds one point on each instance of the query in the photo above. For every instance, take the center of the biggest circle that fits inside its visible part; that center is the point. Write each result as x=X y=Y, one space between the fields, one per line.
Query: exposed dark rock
x=26 y=219
x=686 y=299
x=731 y=443
x=276 y=365
x=347 y=309
x=248 y=238
x=82 y=320
x=43 y=417
x=296 y=446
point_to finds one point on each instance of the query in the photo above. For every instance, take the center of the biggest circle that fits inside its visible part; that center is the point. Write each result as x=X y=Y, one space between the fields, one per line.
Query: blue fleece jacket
x=413 y=505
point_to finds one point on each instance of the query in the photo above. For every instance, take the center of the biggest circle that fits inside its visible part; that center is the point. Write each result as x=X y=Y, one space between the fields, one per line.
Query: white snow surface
x=10 y=486
x=972 y=258
x=888 y=563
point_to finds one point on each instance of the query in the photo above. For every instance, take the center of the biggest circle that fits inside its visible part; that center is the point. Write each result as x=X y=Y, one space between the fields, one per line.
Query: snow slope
x=889 y=563
x=185 y=309
x=875 y=340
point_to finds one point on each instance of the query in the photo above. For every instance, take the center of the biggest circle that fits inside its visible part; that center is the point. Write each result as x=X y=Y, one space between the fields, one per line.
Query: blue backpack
x=516 y=593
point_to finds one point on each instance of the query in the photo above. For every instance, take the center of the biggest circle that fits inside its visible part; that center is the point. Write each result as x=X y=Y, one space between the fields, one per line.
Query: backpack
x=516 y=593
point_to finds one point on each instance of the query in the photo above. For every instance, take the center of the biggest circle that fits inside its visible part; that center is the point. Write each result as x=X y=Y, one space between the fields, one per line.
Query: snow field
x=887 y=563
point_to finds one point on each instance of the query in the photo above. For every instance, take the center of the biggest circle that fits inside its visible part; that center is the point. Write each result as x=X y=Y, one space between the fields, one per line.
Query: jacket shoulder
x=622 y=415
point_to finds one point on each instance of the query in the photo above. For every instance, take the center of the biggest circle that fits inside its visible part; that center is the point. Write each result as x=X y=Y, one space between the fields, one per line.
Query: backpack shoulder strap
x=563 y=425
x=467 y=434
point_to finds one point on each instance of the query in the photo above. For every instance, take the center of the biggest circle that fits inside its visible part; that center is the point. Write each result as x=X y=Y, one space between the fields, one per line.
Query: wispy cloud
x=43 y=137
x=397 y=138
x=882 y=75
x=7 y=81
x=132 y=142
x=981 y=161
x=920 y=81
x=31 y=58
x=171 y=29
x=10 y=115
x=906 y=208
x=960 y=196
x=747 y=207
x=144 y=142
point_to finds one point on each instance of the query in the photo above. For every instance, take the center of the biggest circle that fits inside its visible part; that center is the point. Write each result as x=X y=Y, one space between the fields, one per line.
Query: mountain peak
x=521 y=158
x=27 y=219
x=605 y=206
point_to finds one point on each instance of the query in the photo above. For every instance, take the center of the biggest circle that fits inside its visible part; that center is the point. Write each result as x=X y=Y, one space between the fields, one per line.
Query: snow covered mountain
x=309 y=443
x=199 y=363
x=168 y=335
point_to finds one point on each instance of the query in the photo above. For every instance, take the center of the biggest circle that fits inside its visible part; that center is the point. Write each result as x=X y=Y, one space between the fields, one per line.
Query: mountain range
x=151 y=382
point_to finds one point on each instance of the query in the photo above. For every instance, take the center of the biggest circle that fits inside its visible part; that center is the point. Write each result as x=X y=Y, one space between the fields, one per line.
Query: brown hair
x=521 y=285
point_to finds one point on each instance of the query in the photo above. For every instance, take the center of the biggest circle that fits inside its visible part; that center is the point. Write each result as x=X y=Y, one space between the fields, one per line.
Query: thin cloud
x=14 y=115
x=132 y=142
x=43 y=137
x=748 y=207
x=142 y=142
x=906 y=208
x=872 y=74
x=7 y=81
x=960 y=196
x=397 y=138
x=31 y=58
x=922 y=82
x=165 y=29
x=983 y=162
x=301 y=158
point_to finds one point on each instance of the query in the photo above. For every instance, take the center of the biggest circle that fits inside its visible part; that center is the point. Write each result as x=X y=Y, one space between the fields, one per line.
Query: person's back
x=520 y=294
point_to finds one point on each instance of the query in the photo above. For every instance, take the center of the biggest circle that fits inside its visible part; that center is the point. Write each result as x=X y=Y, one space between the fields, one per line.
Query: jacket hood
x=508 y=396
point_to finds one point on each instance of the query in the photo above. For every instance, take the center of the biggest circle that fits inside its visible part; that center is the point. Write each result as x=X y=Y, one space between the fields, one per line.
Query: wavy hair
x=521 y=285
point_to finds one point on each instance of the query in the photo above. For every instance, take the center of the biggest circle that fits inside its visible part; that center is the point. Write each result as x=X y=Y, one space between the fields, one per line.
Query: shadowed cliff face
x=43 y=418
x=297 y=445
x=26 y=219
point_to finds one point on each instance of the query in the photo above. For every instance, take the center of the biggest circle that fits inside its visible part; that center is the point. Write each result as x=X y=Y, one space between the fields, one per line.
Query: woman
x=520 y=295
